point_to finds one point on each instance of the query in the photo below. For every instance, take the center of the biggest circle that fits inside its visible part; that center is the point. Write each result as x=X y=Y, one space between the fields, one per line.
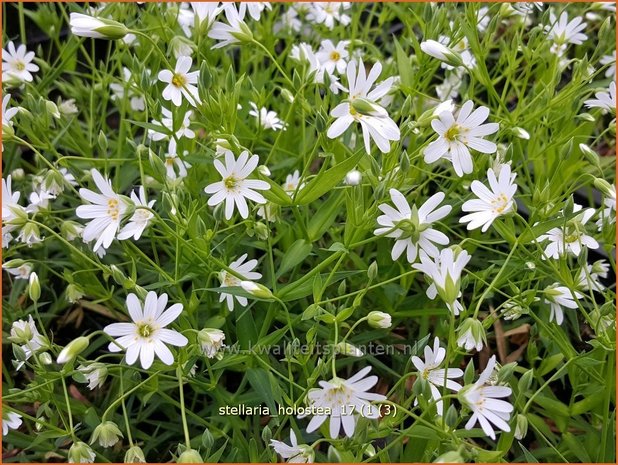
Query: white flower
x=361 y=107
x=492 y=202
x=558 y=296
x=26 y=334
x=8 y=113
x=147 y=335
x=483 y=401
x=95 y=373
x=411 y=227
x=344 y=398
x=235 y=31
x=293 y=453
x=588 y=277
x=167 y=126
x=229 y=280
x=140 y=219
x=471 y=335
x=265 y=118
x=254 y=8
x=292 y=183
x=39 y=201
x=10 y=420
x=17 y=63
x=437 y=377
x=210 y=340
x=174 y=163
x=445 y=272
x=206 y=12
x=235 y=187
x=333 y=57
x=96 y=28
x=328 y=12
x=11 y=210
x=457 y=136
x=571 y=238
x=288 y=20
x=609 y=60
x=562 y=31
x=107 y=212
x=180 y=82
x=604 y=100
x=21 y=272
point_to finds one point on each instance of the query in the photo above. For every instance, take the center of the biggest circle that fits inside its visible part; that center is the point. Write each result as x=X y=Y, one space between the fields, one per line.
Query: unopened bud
x=257 y=290
x=34 y=287
x=190 y=456
x=72 y=350
x=106 y=434
x=378 y=319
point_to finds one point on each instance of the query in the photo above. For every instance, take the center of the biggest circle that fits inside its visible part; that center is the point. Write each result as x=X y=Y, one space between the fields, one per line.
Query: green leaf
x=297 y=252
x=262 y=383
x=327 y=180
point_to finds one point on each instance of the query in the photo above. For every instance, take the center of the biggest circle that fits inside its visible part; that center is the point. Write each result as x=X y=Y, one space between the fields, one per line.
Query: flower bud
x=286 y=94
x=134 y=455
x=353 y=178
x=210 y=340
x=181 y=46
x=606 y=188
x=73 y=349
x=521 y=133
x=379 y=320
x=52 y=109
x=107 y=434
x=367 y=107
x=34 y=287
x=450 y=457
x=96 y=28
x=18 y=174
x=471 y=335
x=372 y=271
x=46 y=359
x=521 y=427
x=190 y=456
x=263 y=170
x=80 y=452
x=348 y=349
x=257 y=290
x=441 y=52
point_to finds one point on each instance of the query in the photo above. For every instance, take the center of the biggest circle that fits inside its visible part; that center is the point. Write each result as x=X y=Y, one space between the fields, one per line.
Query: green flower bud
x=372 y=271
x=134 y=455
x=258 y=290
x=521 y=427
x=378 y=319
x=450 y=457
x=74 y=293
x=190 y=456
x=107 y=434
x=80 y=452
x=52 y=109
x=34 y=287
x=346 y=348
x=73 y=349
x=45 y=358
x=606 y=188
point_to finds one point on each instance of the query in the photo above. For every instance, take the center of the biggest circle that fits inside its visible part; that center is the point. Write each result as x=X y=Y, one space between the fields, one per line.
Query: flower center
x=335 y=56
x=179 y=80
x=230 y=280
x=112 y=209
x=231 y=183
x=500 y=203
x=169 y=161
x=145 y=330
x=20 y=65
x=452 y=133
